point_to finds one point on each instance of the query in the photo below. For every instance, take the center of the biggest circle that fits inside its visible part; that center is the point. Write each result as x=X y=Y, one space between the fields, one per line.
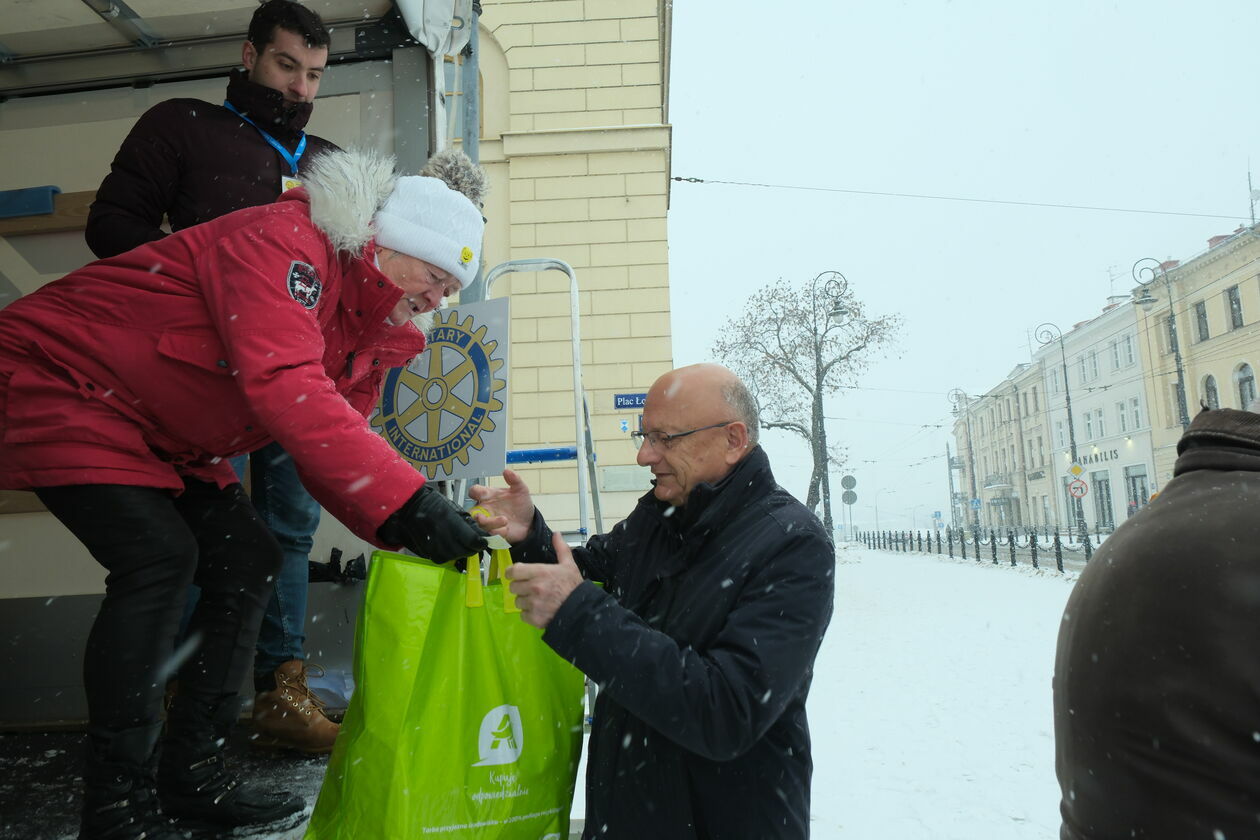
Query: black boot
x=119 y=802
x=193 y=779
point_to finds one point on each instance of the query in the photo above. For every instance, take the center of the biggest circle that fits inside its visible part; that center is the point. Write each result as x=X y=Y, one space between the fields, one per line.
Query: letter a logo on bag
x=499 y=741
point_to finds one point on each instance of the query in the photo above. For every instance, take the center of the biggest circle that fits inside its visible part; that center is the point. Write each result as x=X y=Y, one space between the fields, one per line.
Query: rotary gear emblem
x=434 y=410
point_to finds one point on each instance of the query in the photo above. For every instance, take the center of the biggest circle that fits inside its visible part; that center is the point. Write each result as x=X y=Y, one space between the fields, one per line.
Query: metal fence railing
x=1034 y=546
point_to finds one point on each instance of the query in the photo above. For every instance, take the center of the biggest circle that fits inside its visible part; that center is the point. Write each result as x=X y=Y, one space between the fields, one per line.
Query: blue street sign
x=936 y=514
x=629 y=400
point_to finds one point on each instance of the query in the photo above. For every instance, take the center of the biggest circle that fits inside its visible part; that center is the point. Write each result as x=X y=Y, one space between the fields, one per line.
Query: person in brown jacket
x=1157 y=676
x=190 y=161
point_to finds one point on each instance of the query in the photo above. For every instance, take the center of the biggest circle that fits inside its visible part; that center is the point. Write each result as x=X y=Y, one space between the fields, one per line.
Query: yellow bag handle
x=500 y=561
x=502 y=558
x=473 y=596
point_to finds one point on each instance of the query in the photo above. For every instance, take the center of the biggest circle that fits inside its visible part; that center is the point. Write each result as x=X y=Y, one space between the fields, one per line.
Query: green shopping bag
x=463 y=722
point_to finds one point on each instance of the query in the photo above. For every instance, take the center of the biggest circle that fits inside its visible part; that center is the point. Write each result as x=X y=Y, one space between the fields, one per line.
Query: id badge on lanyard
x=287 y=181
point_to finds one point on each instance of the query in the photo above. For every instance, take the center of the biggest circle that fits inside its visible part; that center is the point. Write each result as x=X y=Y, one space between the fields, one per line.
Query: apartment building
x=1199 y=335
x=1064 y=439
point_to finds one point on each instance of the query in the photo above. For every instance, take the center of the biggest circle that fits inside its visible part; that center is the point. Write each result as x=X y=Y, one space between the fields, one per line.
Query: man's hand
x=511 y=508
x=540 y=588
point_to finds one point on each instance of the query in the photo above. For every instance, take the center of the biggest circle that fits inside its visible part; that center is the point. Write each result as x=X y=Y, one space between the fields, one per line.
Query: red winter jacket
x=265 y=324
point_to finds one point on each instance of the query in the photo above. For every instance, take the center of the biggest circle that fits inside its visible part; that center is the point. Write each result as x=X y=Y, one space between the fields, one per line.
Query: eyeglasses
x=662 y=441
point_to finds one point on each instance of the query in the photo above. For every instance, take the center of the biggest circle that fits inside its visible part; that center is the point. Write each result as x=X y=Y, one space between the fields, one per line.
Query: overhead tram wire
x=926 y=197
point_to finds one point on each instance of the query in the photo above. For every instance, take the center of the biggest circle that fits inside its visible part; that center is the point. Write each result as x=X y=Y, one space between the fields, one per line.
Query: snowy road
x=931 y=707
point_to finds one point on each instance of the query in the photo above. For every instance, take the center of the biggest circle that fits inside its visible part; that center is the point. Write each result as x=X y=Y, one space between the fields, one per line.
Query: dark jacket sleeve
x=595 y=559
x=720 y=702
x=142 y=183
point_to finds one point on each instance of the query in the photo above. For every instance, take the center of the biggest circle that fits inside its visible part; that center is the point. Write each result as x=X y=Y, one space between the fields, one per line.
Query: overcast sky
x=1134 y=105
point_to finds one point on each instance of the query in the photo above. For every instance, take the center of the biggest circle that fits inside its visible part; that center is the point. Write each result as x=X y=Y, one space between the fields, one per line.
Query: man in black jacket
x=189 y=162
x=1157 y=677
x=717 y=590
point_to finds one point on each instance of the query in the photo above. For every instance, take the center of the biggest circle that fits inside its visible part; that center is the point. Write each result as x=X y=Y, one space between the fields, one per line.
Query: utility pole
x=953 y=498
x=1023 y=463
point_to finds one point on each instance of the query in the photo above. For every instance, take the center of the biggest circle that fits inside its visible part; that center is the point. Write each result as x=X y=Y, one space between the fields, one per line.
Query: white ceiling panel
x=36 y=15
x=33 y=28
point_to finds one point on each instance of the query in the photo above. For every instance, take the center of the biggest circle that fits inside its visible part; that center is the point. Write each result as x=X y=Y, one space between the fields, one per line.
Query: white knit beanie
x=426 y=219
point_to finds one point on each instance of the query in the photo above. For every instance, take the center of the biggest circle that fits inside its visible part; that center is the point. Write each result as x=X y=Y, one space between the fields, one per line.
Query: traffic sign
x=975 y=504
x=629 y=400
x=1078 y=488
x=849 y=497
x=1076 y=470
x=848 y=482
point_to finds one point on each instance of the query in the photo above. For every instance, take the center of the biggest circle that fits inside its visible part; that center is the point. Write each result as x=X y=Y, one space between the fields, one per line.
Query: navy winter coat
x=702 y=642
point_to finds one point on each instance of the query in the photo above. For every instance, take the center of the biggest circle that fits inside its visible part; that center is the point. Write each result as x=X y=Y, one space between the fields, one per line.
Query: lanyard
x=291 y=159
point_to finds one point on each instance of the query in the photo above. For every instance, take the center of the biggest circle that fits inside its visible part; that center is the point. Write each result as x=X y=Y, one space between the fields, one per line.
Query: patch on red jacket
x=304 y=284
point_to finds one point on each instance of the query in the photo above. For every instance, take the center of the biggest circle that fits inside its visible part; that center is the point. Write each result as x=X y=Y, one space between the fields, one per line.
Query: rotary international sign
x=446 y=411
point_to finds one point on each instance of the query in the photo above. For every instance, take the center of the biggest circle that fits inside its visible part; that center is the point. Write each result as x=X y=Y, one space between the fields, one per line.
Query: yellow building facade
x=576 y=141
x=1216 y=301
x=1004 y=454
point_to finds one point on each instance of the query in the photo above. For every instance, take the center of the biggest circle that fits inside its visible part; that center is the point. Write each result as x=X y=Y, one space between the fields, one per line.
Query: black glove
x=434 y=528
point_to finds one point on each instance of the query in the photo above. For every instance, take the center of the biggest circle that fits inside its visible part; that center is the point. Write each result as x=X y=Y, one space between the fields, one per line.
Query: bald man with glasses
x=716 y=592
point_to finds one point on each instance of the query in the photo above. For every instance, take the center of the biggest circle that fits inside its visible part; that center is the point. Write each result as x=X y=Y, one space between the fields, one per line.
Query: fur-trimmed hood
x=346 y=189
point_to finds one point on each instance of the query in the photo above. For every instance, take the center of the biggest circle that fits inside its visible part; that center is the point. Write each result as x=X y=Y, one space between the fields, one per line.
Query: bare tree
x=793 y=345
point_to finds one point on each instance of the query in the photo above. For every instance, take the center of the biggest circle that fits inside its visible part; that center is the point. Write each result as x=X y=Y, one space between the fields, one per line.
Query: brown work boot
x=290 y=716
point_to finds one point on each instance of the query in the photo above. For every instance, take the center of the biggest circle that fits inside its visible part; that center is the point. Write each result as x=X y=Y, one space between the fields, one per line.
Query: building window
x=1025 y=403
x=1036 y=407
x=1058 y=433
x=1246 y=382
x=1099 y=427
x=1089 y=425
x=1211 y=395
x=1054 y=380
x=1234 y=300
x=1115 y=354
x=1124 y=417
x=1104 y=515
x=1135 y=413
x=1126 y=350
x=1200 y=320
x=1041 y=452
x=1136 y=490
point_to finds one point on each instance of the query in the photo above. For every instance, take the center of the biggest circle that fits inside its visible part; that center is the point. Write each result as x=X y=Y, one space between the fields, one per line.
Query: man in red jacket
x=192 y=161
x=126 y=385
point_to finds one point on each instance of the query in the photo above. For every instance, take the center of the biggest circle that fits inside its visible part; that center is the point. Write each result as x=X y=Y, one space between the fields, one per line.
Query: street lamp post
x=1046 y=334
x=962 y=403
x=1155 y=270
x=834 y=288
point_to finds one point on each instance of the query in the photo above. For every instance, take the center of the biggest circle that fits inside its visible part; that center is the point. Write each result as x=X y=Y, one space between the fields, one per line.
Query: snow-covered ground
x=931 y=708
x=930 y=711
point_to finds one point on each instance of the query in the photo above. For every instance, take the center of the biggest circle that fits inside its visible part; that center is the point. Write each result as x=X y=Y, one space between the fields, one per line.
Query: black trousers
x=154 y=544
